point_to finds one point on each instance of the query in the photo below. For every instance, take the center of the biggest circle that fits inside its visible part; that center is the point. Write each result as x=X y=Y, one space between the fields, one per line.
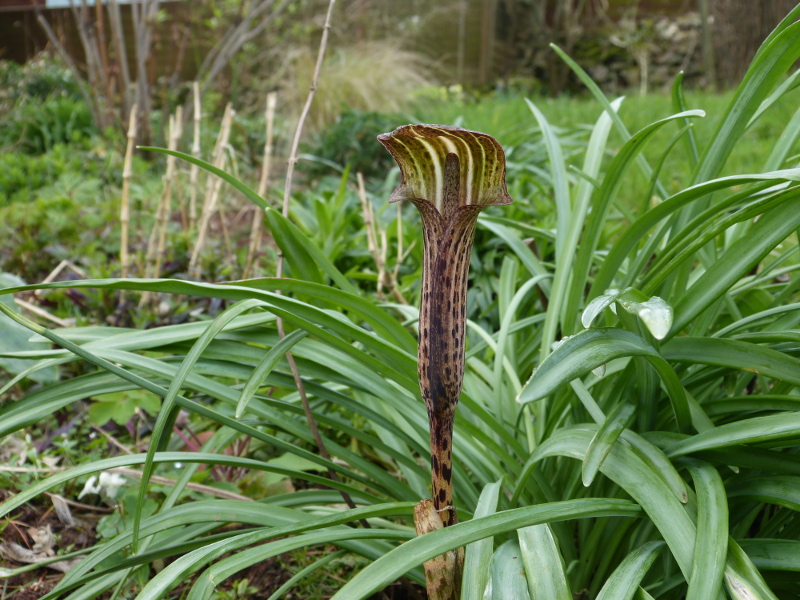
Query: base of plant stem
x=442 y=573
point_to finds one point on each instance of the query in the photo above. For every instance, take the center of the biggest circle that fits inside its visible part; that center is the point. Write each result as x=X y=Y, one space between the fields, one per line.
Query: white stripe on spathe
x=437 y=171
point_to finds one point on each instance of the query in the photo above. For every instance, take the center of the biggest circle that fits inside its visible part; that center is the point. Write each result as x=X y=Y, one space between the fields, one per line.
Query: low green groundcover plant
x=628 y=425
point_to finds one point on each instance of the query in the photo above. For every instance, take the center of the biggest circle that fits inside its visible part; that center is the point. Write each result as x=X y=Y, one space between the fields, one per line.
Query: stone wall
x=646 y=54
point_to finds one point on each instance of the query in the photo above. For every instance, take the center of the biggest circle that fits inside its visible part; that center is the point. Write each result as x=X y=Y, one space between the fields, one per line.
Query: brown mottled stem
x=450 y=174
x=442 y=466
x=443 y=572
x=442 y=323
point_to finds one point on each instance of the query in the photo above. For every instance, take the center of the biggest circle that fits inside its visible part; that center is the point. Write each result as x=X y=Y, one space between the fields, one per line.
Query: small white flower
x=89 y=488
x=109 y=483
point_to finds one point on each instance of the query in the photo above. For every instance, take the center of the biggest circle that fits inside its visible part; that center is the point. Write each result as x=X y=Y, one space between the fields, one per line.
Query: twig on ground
x=195 y=487
x=81 y=505
x=112 y=439
x=32 y=469
x=64 y=264
x=40 y=312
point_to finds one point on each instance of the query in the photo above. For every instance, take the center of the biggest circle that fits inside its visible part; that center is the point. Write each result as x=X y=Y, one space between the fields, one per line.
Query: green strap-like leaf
x=625 y=579
x=508 y=575
x=604 y=439
x=414 y=552
x=773 y=554
x=478 y=554
x=711 y=547
x=770 y=230
x=747 y=431
x=263 y=368
x=214 y=328
x=314 y=320
x=564 y=266
x=773 y=59
x=227 y=177
x=734 y=354
x=637 y=230
x=162 y=457
x=592 y=348
x=782 y=491
x=597 y=219
x=544 y=567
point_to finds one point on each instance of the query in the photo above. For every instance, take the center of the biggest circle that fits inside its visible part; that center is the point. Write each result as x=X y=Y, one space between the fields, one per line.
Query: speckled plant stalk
x=450 y=174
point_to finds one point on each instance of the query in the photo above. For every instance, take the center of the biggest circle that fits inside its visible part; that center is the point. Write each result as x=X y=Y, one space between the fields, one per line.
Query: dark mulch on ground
x=266 y=576
x=38 y=582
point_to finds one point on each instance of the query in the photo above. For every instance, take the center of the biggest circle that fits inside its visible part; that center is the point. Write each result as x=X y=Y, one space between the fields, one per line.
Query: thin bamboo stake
x=175 y=131
x=386 y=278
x=287 y=190
x=400 y=256
x=196 y=153
x=258 y=216
x=369 y=225
x=223 y=218
x=212 y=188
x=124 y=213
x=150 y=259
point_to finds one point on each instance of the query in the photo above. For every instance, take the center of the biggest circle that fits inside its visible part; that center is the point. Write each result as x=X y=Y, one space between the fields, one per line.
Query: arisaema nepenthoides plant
x=450 y=174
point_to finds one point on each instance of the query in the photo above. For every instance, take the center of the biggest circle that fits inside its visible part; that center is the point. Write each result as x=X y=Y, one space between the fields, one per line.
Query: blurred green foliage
x=41 y=106
x=350 y=142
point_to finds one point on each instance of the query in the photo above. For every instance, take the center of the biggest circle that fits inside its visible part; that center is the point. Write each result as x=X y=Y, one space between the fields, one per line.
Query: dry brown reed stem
x=101 y=46
x=213 y=185
x=304 y=114
x=258 y=215
x=312 y=424
x=92 y=49
x=144 y=13
x=124 y=212
x=196 y=153
x=121 y=54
